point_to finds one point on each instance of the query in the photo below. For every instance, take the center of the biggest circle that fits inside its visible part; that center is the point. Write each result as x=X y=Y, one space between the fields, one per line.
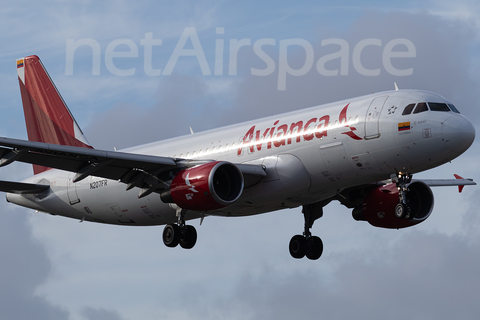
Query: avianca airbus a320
x=360 y=151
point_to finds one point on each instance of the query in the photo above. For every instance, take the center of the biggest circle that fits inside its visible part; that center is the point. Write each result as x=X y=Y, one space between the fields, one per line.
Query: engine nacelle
x=378 y=207
x=206 y=187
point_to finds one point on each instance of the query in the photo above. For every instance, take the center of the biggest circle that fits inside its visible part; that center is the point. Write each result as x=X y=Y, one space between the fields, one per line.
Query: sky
x=125 y=89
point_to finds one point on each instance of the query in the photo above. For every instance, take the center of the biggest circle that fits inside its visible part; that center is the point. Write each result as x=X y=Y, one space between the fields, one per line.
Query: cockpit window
x=435 y=106
x=408 y=109
x=421 y=107
x=453 y=108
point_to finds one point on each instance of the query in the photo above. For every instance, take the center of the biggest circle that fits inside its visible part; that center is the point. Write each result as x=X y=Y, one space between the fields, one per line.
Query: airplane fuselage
x=309 y=155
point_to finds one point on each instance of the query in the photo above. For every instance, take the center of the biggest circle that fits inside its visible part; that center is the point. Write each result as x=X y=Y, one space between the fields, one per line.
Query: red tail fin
x=47 y=117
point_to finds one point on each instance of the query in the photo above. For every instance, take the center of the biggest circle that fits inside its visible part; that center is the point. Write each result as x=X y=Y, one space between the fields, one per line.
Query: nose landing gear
x=402 y=211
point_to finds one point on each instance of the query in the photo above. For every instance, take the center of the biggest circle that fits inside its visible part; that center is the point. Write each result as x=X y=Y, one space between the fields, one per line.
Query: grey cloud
x=24 y=266
x=471 y=222
x=100 y=314
x=183 y=102
x=442 y=65
x=424 y=276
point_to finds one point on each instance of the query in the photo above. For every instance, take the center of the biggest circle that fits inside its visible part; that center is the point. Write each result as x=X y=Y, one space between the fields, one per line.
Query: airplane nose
x=458 y=133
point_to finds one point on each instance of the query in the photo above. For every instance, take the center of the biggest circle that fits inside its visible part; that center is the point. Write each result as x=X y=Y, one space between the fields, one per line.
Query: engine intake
x=206 y=187
x=378 y=207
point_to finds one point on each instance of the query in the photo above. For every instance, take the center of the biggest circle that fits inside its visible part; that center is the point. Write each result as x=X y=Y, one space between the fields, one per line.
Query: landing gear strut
x=180 y=233
x=306 y=244
x=402 y=180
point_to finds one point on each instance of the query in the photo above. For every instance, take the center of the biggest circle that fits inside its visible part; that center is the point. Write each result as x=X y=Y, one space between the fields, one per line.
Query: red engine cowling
x=378 y=207
x=206 y=187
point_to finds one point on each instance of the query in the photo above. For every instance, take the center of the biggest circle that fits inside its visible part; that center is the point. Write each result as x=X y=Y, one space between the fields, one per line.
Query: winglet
x=460 y=188
x=47 y=117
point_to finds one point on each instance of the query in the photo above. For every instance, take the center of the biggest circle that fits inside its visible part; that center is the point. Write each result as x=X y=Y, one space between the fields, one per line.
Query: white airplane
x=360 y=151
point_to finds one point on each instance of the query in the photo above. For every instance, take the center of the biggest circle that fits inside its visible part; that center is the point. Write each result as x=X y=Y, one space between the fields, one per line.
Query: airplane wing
x=353 y=196
x=135 y=170
x=20 y=187
x=448 y=182
x=458 y=181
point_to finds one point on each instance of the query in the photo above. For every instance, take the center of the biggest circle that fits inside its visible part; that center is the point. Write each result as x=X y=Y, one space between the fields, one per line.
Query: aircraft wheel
x=171 y=235
x=298 y=247
x=188 y=237
x=314 y=248
x=401 y=210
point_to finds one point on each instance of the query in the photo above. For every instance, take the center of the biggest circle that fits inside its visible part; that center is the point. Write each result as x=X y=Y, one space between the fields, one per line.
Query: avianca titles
x=361 y=152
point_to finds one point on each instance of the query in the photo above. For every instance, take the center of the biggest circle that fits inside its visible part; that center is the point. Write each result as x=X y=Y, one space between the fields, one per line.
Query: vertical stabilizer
x=47 y=117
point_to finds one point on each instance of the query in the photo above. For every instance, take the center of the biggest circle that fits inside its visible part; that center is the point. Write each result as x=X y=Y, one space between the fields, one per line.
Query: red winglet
x=460 y=188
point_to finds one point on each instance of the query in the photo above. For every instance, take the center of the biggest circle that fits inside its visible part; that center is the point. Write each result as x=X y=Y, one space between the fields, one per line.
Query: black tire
x=314 y=248
x=171 y=235
x=298 y=247
x=401 y=211
x=188 y=237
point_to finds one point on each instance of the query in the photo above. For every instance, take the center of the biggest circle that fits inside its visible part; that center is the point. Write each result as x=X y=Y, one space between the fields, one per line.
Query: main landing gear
x=180 y=233
x=306 y=244
x=402 y=211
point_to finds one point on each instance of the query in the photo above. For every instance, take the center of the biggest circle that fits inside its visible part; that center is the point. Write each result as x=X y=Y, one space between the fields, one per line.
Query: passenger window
x=453 y=108
x=408 y=109
x=435 y=106
x=421 y=107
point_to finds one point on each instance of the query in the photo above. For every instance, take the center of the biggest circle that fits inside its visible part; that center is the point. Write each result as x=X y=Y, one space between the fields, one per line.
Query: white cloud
x=464 y=10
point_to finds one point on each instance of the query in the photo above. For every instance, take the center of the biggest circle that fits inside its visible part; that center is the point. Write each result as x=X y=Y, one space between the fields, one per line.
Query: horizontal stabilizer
x=20 y=187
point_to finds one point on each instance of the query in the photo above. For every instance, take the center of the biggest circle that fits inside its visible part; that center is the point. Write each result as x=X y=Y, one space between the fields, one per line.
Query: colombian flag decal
x=19 y=63
x=403 y=126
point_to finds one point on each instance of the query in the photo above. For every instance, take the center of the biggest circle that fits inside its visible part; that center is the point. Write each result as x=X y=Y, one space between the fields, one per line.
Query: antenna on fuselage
x=396 y=87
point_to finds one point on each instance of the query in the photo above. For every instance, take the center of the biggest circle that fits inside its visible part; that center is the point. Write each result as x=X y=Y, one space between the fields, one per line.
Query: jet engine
x=378 y=206
x=206 y=187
